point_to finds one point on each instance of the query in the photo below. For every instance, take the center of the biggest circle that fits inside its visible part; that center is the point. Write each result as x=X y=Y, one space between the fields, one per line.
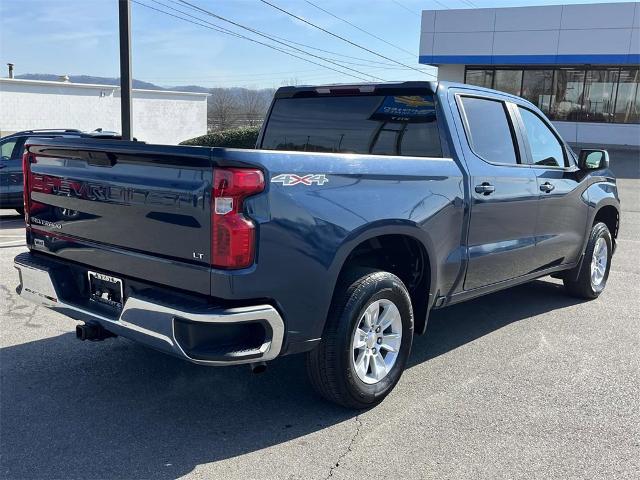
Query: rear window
x=371 y=124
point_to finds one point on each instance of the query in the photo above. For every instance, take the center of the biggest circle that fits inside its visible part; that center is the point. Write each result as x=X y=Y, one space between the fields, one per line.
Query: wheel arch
x=383 y=246
x=608 y=214
x=605 y=207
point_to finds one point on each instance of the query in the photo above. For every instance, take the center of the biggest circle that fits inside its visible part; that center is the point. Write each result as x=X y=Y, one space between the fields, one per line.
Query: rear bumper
x=207 y=336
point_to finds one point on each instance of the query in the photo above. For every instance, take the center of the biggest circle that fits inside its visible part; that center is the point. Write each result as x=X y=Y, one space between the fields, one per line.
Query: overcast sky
x=81 y=37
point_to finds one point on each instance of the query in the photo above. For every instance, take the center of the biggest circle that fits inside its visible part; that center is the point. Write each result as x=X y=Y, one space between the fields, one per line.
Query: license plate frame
x=106 y=289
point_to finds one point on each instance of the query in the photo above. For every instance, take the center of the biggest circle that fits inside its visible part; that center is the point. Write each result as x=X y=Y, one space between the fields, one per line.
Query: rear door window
x=366 y=124
x=489 y=131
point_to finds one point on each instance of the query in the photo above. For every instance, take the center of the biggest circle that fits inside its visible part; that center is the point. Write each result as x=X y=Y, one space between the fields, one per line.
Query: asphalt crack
x=18 y=309
x=348 y=449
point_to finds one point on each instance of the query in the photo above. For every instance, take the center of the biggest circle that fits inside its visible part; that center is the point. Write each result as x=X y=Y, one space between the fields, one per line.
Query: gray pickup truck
x=362 y=209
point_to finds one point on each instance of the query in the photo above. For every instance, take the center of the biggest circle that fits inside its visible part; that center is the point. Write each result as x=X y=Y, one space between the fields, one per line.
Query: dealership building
x=578 y=63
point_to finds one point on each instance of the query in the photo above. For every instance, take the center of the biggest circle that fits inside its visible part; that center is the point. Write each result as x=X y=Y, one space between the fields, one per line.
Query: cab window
x=366 y=124
x=546 y=149
x=489 y=130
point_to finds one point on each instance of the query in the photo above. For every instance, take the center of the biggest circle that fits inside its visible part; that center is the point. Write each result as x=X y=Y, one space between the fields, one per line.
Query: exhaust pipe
x=258 y=367
x=93 y=332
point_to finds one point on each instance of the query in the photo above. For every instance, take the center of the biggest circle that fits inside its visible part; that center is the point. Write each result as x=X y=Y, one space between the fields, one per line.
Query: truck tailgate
x=126 y=207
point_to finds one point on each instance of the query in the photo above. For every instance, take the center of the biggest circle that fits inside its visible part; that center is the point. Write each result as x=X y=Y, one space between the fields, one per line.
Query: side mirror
x=590 y=159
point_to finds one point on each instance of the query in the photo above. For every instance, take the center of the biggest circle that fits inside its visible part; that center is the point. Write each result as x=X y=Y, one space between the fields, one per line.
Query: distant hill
x=111 y=81
x=227 y=108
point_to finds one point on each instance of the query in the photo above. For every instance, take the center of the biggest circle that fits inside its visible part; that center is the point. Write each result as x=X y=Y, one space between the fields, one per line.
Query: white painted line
x=15 y=243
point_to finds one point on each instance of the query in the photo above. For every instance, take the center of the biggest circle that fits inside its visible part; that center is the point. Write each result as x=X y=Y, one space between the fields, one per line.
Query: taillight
x=233 y=235
x=27 y=158
x=30 y=183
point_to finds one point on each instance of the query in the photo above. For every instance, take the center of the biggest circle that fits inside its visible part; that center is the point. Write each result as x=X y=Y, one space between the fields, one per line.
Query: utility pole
x=124 y=14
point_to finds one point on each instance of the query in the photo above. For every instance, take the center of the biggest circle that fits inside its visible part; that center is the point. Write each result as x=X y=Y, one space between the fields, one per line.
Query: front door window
x=546 y=149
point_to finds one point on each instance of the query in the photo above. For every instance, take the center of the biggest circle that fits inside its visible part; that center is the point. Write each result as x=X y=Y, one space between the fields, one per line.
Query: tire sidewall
x=389 y=287
x=600 y=230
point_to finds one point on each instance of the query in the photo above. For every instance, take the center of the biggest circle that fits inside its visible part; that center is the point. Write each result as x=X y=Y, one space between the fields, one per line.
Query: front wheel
x=594 y=270
x=366 y=342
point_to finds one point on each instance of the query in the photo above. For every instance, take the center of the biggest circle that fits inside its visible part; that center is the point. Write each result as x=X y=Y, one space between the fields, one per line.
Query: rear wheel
x=366 y=342
x=594 y=270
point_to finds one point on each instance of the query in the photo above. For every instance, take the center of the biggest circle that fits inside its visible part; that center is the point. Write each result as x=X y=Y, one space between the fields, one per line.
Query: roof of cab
x=356 y=89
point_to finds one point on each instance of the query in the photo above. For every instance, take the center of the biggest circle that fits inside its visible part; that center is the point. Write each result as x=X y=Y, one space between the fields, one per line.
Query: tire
x=338 y=368
x=587 y=284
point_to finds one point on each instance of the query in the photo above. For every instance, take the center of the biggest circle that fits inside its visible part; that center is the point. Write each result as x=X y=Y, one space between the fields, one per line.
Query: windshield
x=367 y=124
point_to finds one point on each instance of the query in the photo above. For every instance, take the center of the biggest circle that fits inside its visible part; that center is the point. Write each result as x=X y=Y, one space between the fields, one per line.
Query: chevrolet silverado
x=362 y=209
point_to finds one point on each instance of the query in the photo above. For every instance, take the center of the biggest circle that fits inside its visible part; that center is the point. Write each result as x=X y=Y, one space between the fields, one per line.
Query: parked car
x=11 y=148
x=363 y=209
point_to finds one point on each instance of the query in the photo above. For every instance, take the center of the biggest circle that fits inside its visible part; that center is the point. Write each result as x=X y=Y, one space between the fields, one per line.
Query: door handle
x=485 y=188
x=547 y=187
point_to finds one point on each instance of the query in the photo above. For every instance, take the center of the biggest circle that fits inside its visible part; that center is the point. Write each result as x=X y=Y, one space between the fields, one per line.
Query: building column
x=451 y=73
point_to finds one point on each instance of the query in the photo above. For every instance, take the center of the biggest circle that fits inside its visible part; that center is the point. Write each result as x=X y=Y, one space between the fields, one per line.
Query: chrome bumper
x=148 y=321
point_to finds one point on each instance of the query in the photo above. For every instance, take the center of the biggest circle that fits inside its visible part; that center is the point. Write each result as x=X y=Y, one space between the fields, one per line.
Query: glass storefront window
x=508 y=81
x=602 y=94
x=627 y=108
x=568 y=91
x=479 y=78
x=599 y=95
x=537 y=87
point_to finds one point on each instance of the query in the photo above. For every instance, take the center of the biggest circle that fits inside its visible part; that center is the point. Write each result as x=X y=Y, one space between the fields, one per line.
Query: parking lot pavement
x=525 y=383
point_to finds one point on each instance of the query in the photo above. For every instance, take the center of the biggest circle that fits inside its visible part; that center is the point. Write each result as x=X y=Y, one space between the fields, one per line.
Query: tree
x=253 y=106
x=237 y=107
x=222 y=107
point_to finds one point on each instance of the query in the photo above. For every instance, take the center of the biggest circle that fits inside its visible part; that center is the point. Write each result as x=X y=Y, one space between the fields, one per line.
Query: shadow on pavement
x=625 y=164
x=459 y=324
x=11 y=221
x=117 y=410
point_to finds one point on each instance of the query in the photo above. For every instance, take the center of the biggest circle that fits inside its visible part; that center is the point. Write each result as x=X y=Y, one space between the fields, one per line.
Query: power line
x=273 y=38
x=404 y=7
x=338 y=54
x=335 y=61
x=265 y=36
x=247 y=38
x=288 y=40
x=357 y=27
x=442 y=4
x=249 y=77
x=208 y=12
x=256 y=74
x=226 y=30
x=287 y=43
x=202 y=80
x=340 y=37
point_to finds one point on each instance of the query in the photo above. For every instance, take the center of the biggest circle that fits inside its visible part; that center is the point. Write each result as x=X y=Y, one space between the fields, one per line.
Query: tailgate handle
x=99 y=159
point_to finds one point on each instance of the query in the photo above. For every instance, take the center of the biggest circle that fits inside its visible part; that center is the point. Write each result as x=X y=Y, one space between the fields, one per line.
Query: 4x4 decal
x=291 y=179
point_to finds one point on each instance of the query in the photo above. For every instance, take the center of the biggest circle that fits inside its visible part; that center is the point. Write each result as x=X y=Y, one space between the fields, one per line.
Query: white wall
x=158 y=116
x=599 y=133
